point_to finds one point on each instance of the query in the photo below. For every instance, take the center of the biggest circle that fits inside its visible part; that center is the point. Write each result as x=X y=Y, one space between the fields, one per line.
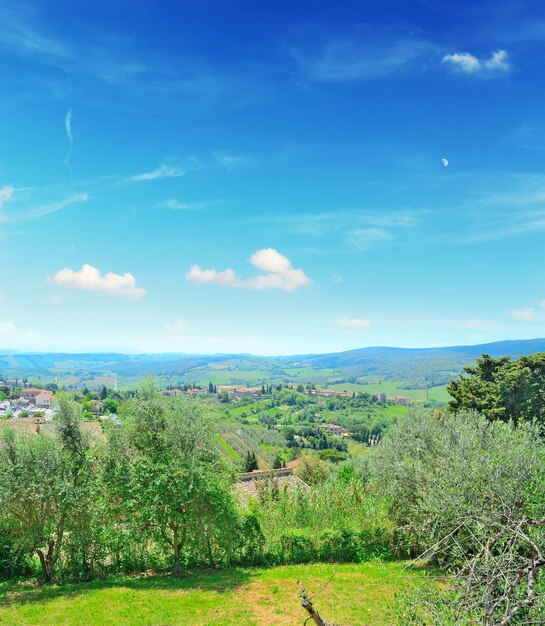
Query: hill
x=409 y=368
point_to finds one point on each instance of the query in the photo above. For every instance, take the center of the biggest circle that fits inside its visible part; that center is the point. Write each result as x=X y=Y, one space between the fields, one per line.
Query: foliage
x=250 y=462
x=464 y=493
x=503 y=389
x=312 y=470
x=332 y=522
x=332 y=455
x=44 y=487
x=166 y=473
x=13 y=562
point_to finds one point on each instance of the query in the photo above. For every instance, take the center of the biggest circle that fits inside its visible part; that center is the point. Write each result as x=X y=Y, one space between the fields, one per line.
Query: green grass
x=360 y=595
x=393 y=389
x=440 y=394
x=227 y=448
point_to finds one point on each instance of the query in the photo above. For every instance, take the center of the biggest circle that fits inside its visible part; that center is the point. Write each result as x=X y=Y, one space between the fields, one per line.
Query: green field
x=357 y=594
x=394 y=388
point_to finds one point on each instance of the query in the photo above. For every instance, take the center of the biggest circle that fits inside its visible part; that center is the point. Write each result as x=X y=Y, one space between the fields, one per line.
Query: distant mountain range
x=421 y=367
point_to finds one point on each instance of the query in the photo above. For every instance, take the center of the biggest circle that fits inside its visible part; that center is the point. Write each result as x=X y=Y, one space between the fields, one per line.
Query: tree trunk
x=178 y=570
x=209 y=549
x=46 y=570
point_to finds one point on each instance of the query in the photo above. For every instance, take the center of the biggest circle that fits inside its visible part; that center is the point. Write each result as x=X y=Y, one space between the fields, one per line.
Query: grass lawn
x=360 y=595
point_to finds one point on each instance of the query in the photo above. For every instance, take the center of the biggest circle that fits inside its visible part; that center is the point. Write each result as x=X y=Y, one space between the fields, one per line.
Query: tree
x=167 y=472
x=503 y=389
x=224 y=397
x=32 y=496
x=111 y=405
x=250 y=461
x=278 y=462
x=469 y=494
x=43 y=481
x=312 y=470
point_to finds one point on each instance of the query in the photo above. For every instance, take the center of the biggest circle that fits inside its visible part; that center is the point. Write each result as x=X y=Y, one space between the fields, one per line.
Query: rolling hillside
x=410 y=368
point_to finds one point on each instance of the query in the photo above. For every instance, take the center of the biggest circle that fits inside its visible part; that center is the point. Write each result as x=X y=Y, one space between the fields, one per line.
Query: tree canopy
x=502 y=388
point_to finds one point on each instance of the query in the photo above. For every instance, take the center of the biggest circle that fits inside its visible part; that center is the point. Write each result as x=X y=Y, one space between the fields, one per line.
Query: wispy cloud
x=163 y=171
x=176 y=205
x=364 y=238
x=358 y=229
x=29 y=203
x=12 y=335
x=528 y=313
x=279 y=274
x=360 y=323
x=89 y=278
x=6 y=194
x=69 y=136
x=177 y=328
x=231 y=161
x=57 y=206
x=26 y=33
x=498 y=63
x=41 y=210
x=359 y=56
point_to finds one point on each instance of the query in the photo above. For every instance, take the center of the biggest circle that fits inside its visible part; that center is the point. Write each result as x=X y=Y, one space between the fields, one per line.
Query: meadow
x=362 y=594
x=396 y=388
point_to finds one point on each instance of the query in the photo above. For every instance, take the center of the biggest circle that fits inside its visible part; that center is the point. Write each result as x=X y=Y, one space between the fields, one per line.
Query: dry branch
x=308 y=606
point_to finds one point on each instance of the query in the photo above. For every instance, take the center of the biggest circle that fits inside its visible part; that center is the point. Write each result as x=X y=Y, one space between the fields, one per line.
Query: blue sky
x=216 y=176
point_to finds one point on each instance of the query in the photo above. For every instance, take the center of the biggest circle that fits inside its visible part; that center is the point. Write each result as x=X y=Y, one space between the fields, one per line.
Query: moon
x=444 y=162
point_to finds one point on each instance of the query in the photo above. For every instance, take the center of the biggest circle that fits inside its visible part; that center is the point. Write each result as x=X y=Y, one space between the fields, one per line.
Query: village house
x=172 y=393
x=334 y=429
x=96 y=407
x=403 y=400
x=381 y=396
x=31 y=394
x=43 y=400
x=240 y=392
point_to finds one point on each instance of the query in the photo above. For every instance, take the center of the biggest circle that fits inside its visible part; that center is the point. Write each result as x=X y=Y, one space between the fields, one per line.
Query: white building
x=43 y=401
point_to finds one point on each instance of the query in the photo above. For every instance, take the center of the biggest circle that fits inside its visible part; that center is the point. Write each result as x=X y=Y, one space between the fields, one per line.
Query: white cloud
x=89 y=278
x=163 y=171
x=525 y=314
x=336 y=279
x=279 y=274
x=6 y=193
x=178 y=327
x=497 y=63
x=528 y=313
x=353 y=322
x=225 y=278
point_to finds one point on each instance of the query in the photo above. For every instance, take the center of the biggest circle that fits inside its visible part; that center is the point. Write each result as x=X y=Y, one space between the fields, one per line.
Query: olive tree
x=45 y=485
x=469 y=494
x=165 y=471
